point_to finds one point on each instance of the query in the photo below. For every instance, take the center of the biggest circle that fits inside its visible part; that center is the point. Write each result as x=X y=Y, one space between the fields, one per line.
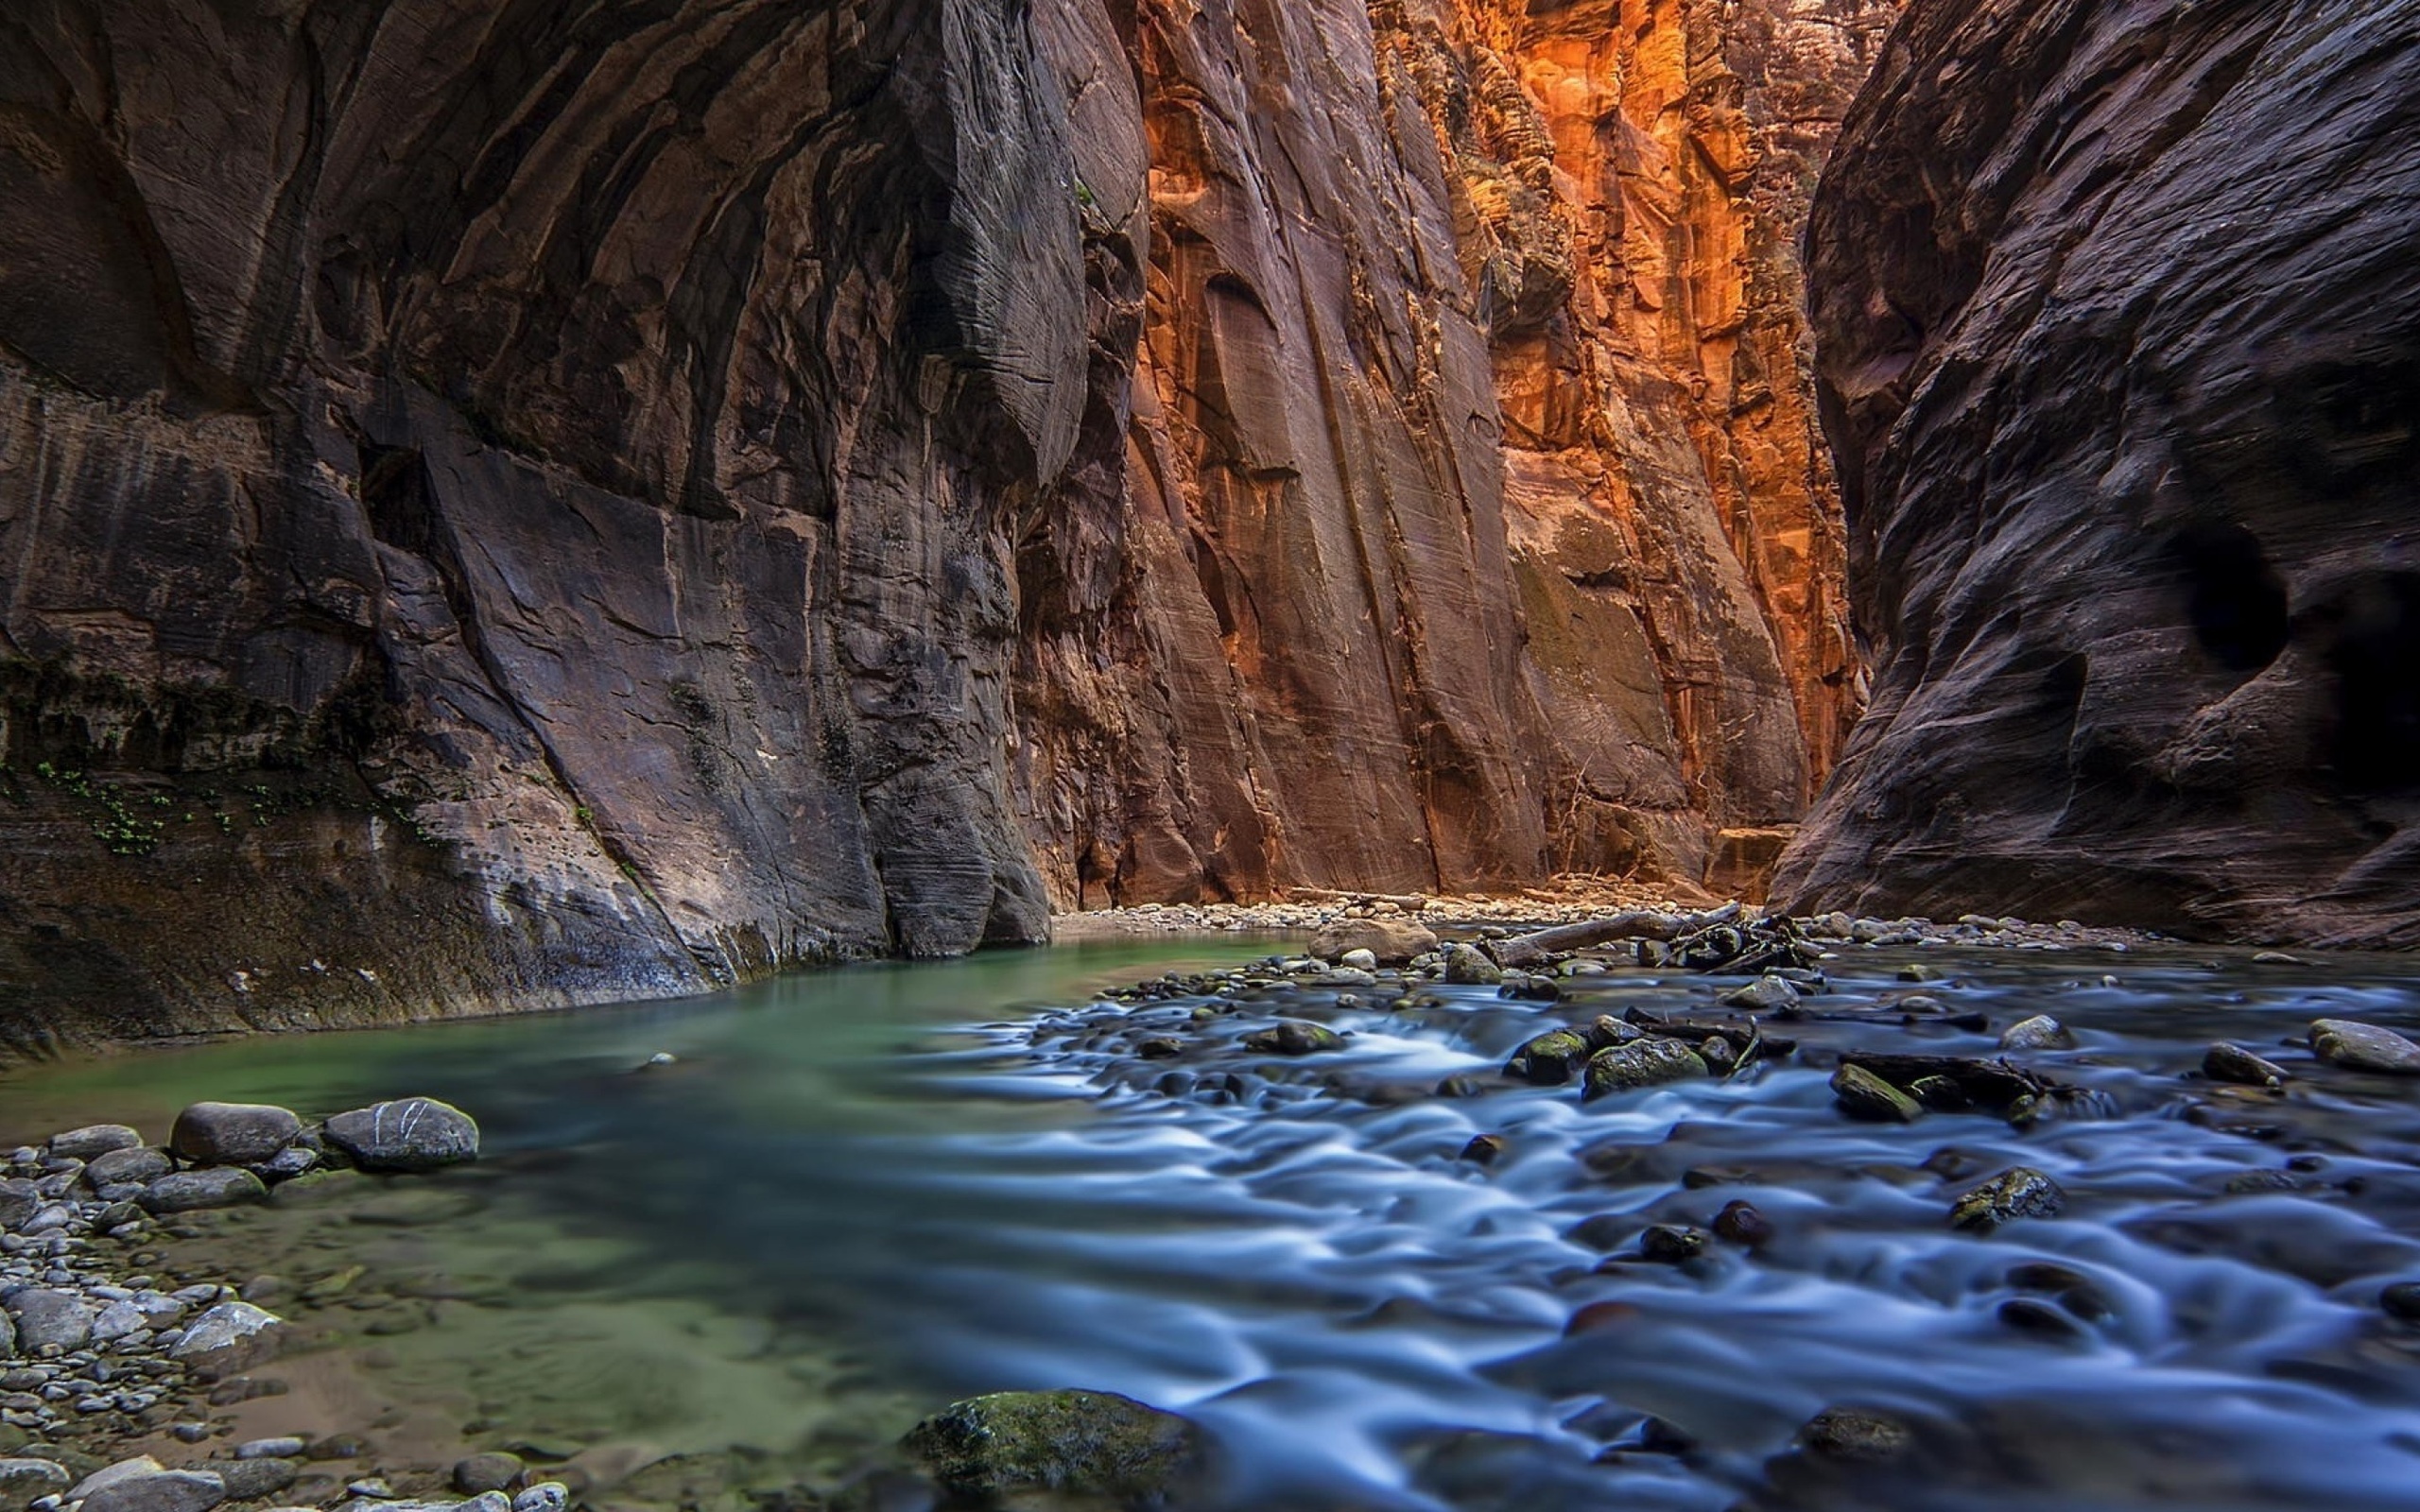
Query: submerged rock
x=2364 y=1047
x=2019 y=1192
x=233 y=1133
x=1867 y=1437
x=1743 y=1223
x=1642 y=1063
x=1087 y=1442
x=410 y=1134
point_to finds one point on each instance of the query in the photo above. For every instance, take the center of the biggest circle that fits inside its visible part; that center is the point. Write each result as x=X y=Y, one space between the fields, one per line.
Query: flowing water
x=859 y=1194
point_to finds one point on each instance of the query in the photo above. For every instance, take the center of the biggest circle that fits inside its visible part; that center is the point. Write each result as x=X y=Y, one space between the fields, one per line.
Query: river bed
x=856 y=1195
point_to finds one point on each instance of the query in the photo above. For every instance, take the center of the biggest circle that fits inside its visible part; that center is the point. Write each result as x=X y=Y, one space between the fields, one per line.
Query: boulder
x=1640 y=1063
x=233 y=1133
x=1081 y=1442
x=48 y=1319
x=2364 y=1047
x=230 y=1336
x=1392 y=941
x=193 y=1191
x=135 y=1164
x=1465 y=965
x=157 y=1491
x=410 y=1134
x=93 y=1141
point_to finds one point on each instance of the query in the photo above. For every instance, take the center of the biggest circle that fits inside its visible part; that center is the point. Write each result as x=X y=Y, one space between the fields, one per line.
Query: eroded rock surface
x=525 y=505
x=2120 y=344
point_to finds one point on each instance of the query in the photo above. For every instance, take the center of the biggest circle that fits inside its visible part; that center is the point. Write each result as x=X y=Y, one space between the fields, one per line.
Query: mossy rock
x=1083 y=1444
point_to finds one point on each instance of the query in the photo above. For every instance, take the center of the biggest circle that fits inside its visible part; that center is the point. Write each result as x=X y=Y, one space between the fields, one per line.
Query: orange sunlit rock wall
x=1464 y=520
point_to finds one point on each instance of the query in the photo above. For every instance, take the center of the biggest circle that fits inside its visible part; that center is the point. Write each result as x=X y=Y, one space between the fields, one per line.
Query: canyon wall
x=1472 y=524
x=2120 y=332
x=516 y=504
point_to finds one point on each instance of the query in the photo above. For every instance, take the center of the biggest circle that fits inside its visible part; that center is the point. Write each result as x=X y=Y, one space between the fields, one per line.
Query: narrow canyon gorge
x=522 y=505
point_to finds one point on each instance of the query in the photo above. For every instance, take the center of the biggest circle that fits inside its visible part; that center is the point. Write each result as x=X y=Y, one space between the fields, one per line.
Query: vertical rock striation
x=1467 y=522
x=516 y=504
x=503 y=503
x=2119 y=334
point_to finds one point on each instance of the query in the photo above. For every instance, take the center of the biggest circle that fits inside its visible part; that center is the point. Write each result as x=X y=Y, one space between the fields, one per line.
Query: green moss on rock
x=1087 y=1443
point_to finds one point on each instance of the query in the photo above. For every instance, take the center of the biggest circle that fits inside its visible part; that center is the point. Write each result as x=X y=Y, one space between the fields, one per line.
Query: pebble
x=289 y=1447
x=546 y=1496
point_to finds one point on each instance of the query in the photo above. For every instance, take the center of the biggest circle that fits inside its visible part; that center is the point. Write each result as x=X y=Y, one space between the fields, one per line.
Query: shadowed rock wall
x=512 y=503
x=502 y=503
x=2119 y=330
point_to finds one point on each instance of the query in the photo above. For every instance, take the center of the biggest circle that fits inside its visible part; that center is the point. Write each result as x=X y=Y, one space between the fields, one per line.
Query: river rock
x=233 y=1133
x=1294 y=1038
x=135 y=1164
x=145 y=1487
x=1743 y=1223
x=1081 y=1442
x=93 y=1141
x=493 y=1471
x=1390 y=942
x=2364 y=1047
x=24 y=1480
x=20 y=1199
x=412 y=1134
x=1865 y=1438
x=2019 y=1192
x=249 y=1480
x=2240 y=1067
x=1767 y=994
x=285 y=1446
x=1467 y=966
x=223 y=1186
x=1863 y=1094
x=1555 y=1056
x=1672 y=1244
x=230 y=1336
x=1358 y=959
x=546 y=1496
x=8 y=1336
x=2040 y=1032
x=2402 y=1300
x=1641 y=1063
x=50 y=1319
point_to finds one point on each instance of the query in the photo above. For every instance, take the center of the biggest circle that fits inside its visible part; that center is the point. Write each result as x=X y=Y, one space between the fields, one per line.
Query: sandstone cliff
x=1472 y=523
x=2119 y=325
x=512 y=503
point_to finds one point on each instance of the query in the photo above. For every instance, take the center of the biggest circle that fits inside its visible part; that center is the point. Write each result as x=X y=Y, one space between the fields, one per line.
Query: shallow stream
x=856 y=1195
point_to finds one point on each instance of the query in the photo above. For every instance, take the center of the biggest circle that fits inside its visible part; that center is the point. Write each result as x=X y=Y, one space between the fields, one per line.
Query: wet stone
x=2040 y=1032
x=1485 y=1149
x=2019 y=1192
x=93 y=1141
x=2402 y=1300
x=2027 y=1315
x=2240 y=1067
x=1465 y=965
x=1668 y=1244
x=1864 y=1437
x=1863 y=1094
x=1643 y=1063
x=1743 y=1223
x=2367 y=1047
x=1081 y=1442
x=198 y=1191
x=1294 y=1038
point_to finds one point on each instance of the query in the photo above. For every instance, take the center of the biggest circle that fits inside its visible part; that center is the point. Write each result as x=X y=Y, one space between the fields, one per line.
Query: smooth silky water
x=861 y=1193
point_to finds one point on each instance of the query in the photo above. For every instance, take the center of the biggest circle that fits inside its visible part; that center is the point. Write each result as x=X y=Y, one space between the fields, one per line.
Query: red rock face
x=2119 y=329
x=1467 y=522
x=518 y=504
